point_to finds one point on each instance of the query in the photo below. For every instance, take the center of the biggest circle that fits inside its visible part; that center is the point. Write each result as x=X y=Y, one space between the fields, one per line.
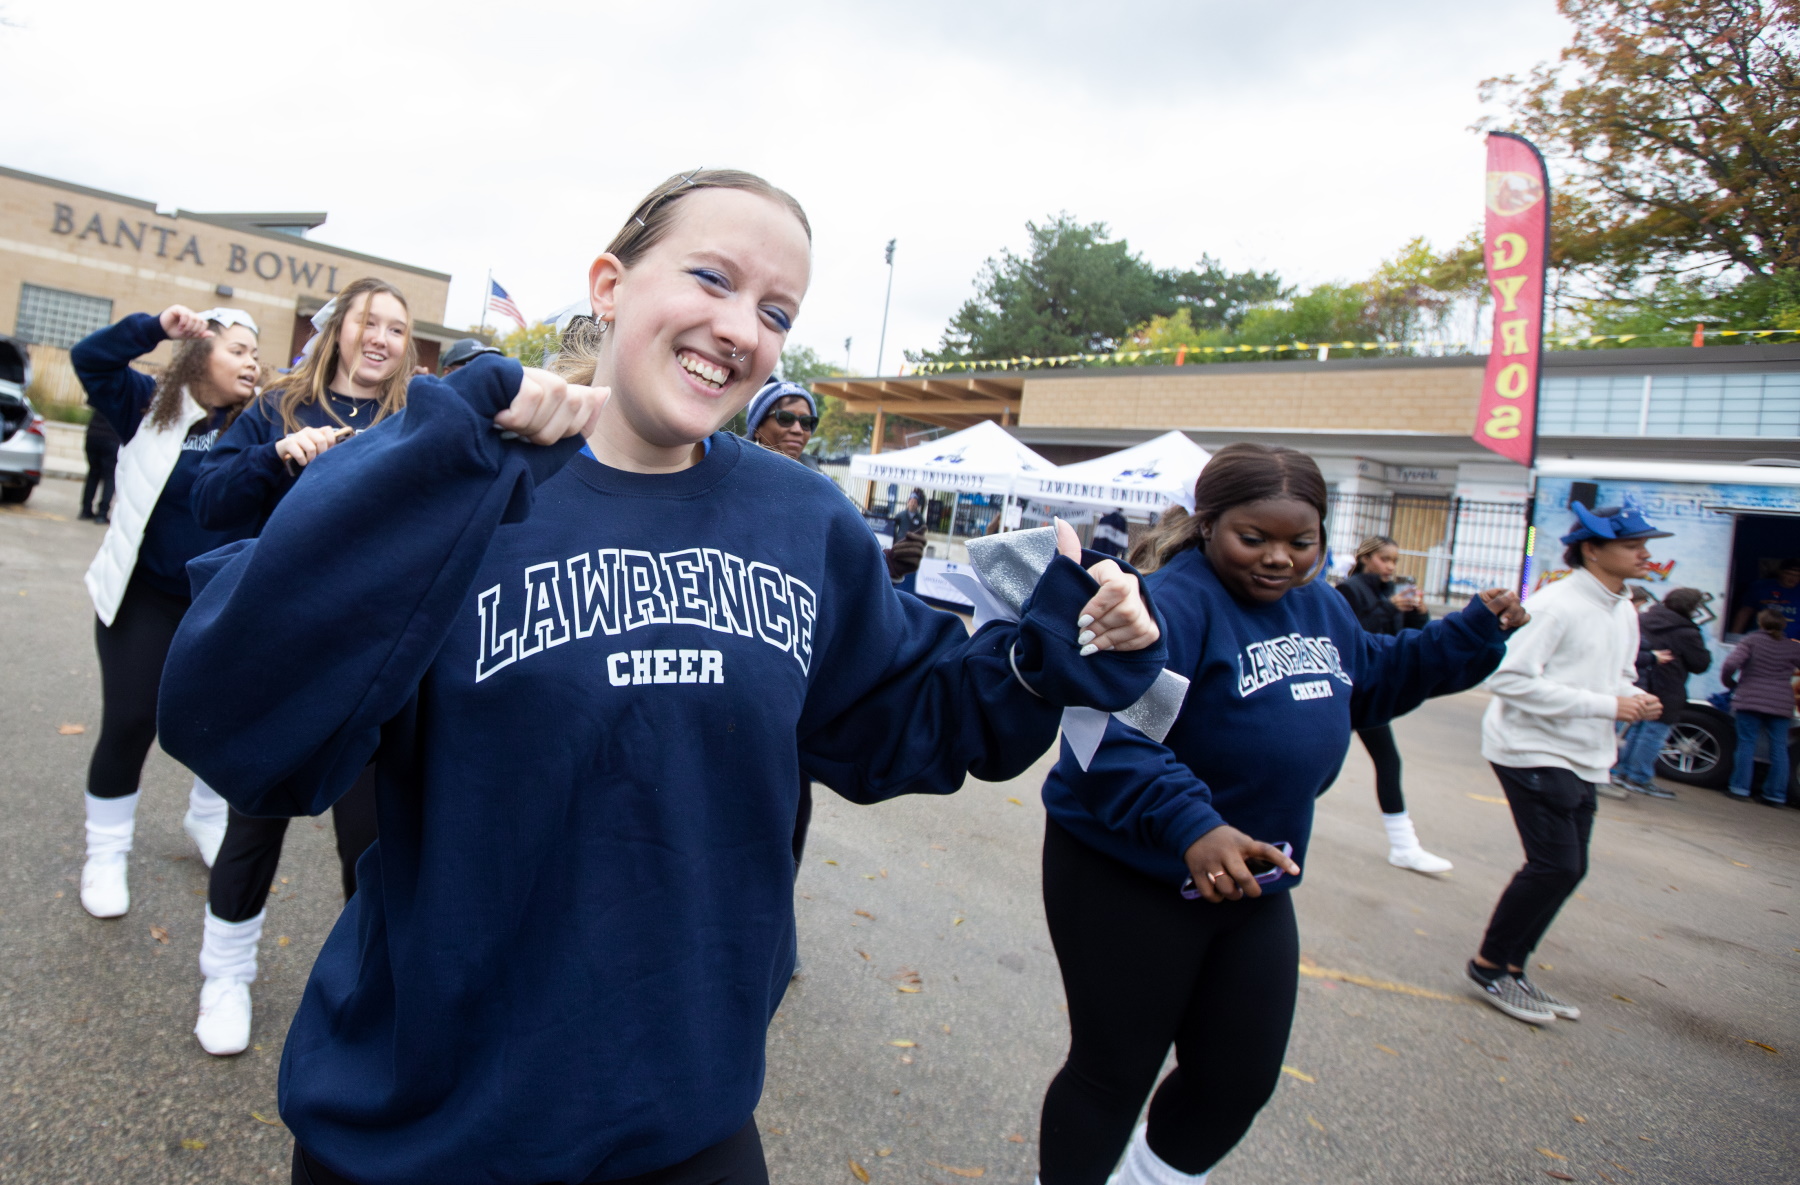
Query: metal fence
x=1451 y=546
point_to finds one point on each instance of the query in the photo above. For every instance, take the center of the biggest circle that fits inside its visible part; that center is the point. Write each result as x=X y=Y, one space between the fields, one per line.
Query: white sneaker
x=205 y=820
x=224 y=1024
x=206 y=833
x=1418 y=860
x=104 y=892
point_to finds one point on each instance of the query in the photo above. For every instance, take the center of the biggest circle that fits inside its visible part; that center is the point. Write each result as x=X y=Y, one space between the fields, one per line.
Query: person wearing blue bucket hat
x=1548 y=732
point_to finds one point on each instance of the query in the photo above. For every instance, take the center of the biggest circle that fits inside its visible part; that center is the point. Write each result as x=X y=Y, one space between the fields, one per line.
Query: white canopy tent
x=1145 y=477
x=982 y=459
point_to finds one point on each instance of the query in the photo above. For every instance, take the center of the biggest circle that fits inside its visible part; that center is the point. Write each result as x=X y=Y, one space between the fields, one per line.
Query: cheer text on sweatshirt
x=590 y=690
x=1277 y=689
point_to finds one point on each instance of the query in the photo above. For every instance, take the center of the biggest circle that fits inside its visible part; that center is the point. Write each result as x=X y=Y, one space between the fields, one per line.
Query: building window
x=49 y=317
x=1737 y=405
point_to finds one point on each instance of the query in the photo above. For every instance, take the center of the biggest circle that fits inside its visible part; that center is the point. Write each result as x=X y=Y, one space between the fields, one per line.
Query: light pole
x=881 y=347
x=847 y=355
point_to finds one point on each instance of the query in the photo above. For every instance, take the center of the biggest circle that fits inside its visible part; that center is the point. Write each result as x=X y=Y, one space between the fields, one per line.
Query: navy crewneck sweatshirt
x=589 y=691
x=172 y=535
x=1277 y=689
x=243 y=477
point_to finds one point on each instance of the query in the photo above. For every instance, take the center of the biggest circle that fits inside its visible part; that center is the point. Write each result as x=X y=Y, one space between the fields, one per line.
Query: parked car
x=1700 y=750
x=22 y=440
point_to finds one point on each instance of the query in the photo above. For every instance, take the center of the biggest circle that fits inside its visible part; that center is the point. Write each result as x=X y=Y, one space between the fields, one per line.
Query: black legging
x=132 y=652
x=251 y=853
x=1379 y=741
x=1143 y=969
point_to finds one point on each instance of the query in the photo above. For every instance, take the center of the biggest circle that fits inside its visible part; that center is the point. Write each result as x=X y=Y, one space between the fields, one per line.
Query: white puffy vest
x=143 y=469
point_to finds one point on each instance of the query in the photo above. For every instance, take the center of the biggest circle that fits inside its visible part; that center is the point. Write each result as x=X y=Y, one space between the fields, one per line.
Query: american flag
x=500 y=302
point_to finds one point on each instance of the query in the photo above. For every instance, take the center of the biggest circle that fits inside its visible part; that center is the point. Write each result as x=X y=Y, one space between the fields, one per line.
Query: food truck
x=1732 y=524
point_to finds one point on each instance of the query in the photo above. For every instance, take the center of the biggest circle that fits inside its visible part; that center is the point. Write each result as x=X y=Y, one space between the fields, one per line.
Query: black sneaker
x=1649 y=790
x=1504 y=993
x=1543 y=999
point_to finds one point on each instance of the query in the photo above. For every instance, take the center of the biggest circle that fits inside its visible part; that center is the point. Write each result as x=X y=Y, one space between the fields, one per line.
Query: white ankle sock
x=110 y=824
x=228 y=950
x=1401 y=836
x=1144 y=1167
x=205 y=805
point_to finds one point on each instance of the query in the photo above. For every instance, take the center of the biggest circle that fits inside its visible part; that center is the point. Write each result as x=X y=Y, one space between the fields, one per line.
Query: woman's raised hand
x=1219 y=863
x=183 y=323
x=548 y=408
x=1116 y=618
x=304 y=446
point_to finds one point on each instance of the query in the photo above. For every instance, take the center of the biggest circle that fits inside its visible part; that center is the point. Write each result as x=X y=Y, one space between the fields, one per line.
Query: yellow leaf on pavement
x=956 y=1171
x=1552 y=1155
x=1015 y=802
x=1488 y=798
x=904 y=1044
x=71 y=730
x=1315 y=1123
x=194 y=1145
x=1300 y=1074
x=271 y=1122
x=859 y=1172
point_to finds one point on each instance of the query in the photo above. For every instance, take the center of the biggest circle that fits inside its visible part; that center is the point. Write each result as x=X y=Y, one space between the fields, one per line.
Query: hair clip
x=685 y=180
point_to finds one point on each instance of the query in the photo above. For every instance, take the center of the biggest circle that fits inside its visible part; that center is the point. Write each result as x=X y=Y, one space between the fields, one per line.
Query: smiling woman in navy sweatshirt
x=352 y=375
x=587 y=675
x=1152 y=854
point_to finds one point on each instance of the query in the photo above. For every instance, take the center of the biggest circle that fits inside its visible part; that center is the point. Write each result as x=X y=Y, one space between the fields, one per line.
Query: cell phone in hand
x=1265 y=871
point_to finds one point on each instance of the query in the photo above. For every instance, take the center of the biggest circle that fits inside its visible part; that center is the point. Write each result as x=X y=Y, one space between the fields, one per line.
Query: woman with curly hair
x=138 y=581
x=352 y=376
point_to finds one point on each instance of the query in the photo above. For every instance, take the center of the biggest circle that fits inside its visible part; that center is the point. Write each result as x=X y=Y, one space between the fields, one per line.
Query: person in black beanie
x=102 y=448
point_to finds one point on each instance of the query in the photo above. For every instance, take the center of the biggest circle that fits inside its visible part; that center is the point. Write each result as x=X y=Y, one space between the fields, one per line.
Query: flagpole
x=487 y=290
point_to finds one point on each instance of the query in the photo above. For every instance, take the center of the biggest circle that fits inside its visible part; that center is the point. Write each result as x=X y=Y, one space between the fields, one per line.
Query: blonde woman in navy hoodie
x=587 y=673
x=1167 y=866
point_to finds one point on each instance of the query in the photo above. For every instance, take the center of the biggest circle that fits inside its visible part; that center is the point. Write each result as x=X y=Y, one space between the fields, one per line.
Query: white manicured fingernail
x=1090 y=648
x=1085 y=620
x=1084 y=637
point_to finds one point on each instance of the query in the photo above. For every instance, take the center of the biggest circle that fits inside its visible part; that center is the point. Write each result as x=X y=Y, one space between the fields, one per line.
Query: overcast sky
x=1312 y=136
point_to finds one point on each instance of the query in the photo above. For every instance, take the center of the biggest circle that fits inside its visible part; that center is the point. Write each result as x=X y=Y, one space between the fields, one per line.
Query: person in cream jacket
x=1548 y=732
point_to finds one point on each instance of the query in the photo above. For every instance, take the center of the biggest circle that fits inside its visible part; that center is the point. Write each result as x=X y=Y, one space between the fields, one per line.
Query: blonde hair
x=311 y=380
x=579 y=352
x=1368 y=547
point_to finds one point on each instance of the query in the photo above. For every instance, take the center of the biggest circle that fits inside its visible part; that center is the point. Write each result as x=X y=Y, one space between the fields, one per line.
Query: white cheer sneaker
x=111 y=824
x=1418 y=859
x=224 y=1024
x=104 y=892
x=205 y=820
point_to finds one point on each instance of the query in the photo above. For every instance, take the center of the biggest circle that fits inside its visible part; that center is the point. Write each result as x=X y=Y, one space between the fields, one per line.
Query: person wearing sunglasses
x=1167 y=866
x=139 y=581
x=351 y=376
x=551 y=609
x=782 y=417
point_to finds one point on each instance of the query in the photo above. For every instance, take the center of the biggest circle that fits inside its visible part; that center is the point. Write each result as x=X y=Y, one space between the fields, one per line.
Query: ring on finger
x=1213 y=877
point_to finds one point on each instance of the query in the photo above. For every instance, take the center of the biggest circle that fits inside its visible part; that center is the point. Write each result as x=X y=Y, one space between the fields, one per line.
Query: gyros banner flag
x=1517 y=245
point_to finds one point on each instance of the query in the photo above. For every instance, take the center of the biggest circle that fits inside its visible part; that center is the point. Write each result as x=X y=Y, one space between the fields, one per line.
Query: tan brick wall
x=1412 y=399
x=48 y=238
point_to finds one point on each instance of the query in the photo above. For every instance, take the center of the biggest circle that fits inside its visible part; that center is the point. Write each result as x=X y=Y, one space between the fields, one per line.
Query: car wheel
x=1699 y=749
x=15 y=493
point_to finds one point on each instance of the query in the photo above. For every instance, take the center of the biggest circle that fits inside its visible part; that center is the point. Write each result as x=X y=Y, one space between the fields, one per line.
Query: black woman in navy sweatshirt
x=1167 y=866
x=352 y=376
x=587 y=674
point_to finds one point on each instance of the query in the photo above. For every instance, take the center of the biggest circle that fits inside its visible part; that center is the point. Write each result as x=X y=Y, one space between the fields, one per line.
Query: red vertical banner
x=1517 y=245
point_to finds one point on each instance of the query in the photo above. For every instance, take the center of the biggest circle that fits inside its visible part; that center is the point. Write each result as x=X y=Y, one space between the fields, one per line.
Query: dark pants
x=1144 y=969
x=802 y=821
x=1554 y=812
x=737 y=1160
x=132 y=652
x=101 y=463
x=251 y=852
x=1379 y=741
